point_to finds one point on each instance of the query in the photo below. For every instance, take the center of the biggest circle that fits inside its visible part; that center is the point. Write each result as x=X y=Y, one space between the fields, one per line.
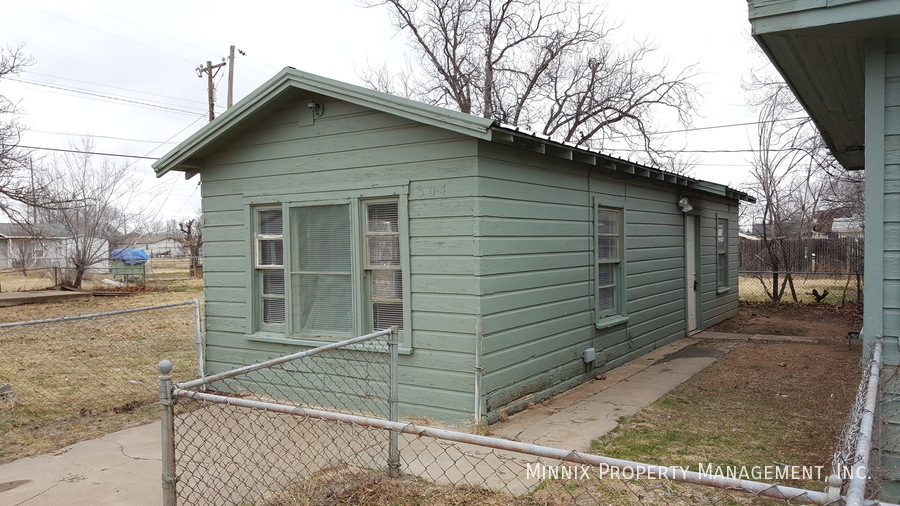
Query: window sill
x=314 y=343
x=720 y=291
x=610 y=321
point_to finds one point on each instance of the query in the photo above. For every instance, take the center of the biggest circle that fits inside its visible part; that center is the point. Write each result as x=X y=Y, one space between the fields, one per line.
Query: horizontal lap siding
x=654 y=256
x=535 y=248
x=535 y=242
x=891 y=256
x=351 y=147
x=717 y=306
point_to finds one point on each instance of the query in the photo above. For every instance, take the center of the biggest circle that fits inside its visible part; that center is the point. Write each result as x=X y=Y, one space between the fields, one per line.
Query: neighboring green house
x=330 y=210
x=842 y=59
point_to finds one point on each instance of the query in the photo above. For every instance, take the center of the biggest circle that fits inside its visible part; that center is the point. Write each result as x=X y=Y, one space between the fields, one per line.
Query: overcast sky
x=124 y=72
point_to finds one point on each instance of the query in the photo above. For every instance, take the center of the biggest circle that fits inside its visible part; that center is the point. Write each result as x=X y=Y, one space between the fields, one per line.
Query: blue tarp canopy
x=130 y=256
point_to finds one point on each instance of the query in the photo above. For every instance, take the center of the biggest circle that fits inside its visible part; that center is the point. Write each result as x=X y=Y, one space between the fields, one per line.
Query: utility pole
x=230 y=77
x=211 y=71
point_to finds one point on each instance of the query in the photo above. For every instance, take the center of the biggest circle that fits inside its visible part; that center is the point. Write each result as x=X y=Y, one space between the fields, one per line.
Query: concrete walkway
x=124 y=468
x=8 y=299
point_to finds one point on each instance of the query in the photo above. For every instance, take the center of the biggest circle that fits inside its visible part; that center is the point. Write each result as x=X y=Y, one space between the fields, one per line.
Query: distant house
x=505 y=257
x=32 y=246
x=157 y=245
x=791 y=230
x=848 y=227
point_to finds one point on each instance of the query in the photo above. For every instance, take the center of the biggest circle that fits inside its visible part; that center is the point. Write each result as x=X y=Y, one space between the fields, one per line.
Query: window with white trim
x=382 y=265
x=270 y=267
x=608 y=256
x=722 y=252
x=329 y=271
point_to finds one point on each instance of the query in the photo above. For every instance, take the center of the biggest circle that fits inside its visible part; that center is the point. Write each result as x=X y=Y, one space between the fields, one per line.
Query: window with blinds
x=270 y=265
x=722 y=252
x=329 y=271
x=608 y=261
x=382 y=265
x=321 y=270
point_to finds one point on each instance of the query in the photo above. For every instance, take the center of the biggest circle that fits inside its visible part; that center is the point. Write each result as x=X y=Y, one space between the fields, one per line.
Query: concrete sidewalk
x=124 y=468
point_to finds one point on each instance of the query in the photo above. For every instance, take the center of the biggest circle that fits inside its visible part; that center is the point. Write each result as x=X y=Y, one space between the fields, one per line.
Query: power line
x=30 y=72
x=710 y=127
x=101 y=31
x=61 y=150
x=74 y=134
x=103 y=96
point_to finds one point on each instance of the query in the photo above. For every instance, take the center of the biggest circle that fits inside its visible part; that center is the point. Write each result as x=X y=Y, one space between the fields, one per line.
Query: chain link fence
x=810 y=269
x=885 y=462
x=111 y=277
x=808 y=287
x=320 y=427
x=228 y=455
x=68 y=379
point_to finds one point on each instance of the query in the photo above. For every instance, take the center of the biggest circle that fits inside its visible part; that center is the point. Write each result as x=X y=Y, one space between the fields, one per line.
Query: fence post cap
x=165 y=367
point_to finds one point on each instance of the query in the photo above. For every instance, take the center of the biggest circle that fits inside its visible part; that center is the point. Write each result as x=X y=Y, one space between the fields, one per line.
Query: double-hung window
x=270 y=268
x=608 y=258
x=722 y=253
x=382 y=265
x=328 y=270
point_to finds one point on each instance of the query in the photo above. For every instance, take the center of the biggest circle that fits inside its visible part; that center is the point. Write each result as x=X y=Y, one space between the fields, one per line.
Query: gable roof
x=29 y=231
x=188 y=155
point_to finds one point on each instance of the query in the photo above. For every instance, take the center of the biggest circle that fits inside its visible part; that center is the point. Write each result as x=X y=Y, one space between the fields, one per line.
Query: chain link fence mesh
x=80 y=377
x=228 y=455
x=313 y=431
x=32 y=278
x=808 y=287
x=885 y=462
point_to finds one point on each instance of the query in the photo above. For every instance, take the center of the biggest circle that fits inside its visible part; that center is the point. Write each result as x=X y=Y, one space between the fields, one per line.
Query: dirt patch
x=761 y=404
x=822 y=321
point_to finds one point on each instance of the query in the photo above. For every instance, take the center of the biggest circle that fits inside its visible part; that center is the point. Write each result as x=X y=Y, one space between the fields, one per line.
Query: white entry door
x=691 y=282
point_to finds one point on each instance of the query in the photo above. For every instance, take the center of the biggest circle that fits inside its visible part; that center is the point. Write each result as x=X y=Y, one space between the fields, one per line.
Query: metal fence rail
x=87 y=374
x=220 y=456
x=438 y=463
x=318 y=427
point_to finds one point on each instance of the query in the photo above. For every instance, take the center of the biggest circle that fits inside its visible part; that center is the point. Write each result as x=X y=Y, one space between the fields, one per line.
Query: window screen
x=321 y=270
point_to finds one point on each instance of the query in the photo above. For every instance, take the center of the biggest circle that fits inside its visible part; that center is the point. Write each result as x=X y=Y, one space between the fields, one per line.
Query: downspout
x=479 y=368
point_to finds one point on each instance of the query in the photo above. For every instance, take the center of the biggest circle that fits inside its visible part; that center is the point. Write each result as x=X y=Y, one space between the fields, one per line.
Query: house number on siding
x=431 y=191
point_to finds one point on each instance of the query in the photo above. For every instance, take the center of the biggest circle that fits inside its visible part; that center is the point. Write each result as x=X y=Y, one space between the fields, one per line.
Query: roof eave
x=510 y=135
x=184 y=157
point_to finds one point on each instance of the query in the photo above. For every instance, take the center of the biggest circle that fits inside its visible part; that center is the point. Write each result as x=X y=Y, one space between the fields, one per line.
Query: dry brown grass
x=79 y=380
x=840 y=288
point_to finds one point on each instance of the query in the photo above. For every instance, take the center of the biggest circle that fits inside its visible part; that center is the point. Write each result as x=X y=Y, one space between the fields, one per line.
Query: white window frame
x=260 y=270
x=361 y=312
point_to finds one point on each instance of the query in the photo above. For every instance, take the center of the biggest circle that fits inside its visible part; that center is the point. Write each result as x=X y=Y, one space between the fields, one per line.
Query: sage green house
x=842 y=59
x=516 y=267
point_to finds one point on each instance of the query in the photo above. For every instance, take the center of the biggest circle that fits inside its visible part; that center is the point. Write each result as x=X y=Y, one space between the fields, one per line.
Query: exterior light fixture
x=685 y=205
x=317 y=109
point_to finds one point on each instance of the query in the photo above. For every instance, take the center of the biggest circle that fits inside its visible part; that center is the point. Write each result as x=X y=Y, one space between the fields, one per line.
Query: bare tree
x=16 y=184
x=545 y=65
x=792 y=179
x=191 y=240
x=92 y=197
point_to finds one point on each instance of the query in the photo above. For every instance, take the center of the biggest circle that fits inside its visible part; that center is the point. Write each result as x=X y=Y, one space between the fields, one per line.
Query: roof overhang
x=818 y=46
x=188 y=155
x=544 y=145
x=288 y=84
